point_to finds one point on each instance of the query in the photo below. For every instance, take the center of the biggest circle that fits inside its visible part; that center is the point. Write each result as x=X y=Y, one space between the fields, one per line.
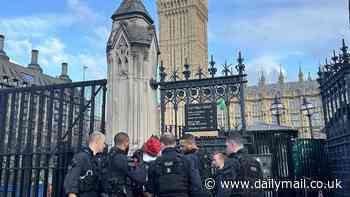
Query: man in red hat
x=151 y=150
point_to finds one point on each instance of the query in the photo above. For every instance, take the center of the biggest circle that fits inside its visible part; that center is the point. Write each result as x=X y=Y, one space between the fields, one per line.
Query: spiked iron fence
x=41 y=127
x=334 y=80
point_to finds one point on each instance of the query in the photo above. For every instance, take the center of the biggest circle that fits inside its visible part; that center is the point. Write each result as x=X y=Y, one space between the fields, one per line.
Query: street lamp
x=309 y=108
x=277 y=109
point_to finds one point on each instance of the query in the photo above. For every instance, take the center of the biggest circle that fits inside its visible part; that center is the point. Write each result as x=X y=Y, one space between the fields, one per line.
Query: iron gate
x=41 y=127
x=334 y=80
x=179 y=94
x=310 y=162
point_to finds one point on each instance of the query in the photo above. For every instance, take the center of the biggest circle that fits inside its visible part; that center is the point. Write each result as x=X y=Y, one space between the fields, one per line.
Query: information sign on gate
x=201 y=117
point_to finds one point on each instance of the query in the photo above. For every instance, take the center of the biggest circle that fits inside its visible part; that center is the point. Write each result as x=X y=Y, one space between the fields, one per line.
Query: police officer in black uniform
x=200 y=159
x=172 y=174
x=118 y=171
x=234 y=150
x=241 y=166
x=82 y=178
x=190 y=149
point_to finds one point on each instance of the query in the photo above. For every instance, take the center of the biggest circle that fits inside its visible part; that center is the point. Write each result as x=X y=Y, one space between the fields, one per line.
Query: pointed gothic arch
x=119 y=62
x=121 y=49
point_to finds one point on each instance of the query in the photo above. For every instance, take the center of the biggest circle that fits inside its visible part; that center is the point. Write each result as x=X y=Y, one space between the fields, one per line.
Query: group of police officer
x=172 y=172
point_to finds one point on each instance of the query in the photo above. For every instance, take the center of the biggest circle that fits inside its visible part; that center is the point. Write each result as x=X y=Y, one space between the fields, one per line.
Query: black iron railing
x=41 y=127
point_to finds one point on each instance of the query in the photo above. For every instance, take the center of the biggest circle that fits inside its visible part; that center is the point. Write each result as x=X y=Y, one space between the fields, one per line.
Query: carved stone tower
x=132 y=56
x=183 y=33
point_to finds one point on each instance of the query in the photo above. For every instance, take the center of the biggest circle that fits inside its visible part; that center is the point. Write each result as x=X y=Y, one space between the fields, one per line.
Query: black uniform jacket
x=82 y=164
x=119 y=167
x=230 y=172
x=193 y=174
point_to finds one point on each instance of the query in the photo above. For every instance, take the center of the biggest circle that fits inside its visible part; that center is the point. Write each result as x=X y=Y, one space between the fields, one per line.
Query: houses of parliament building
x=183 y=39
x=259 y=98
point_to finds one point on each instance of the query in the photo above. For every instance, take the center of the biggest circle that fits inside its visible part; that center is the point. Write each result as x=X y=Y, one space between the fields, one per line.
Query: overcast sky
x=270 y=33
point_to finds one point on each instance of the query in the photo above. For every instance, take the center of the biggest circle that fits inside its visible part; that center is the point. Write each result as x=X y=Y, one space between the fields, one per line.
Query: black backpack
x=250 y=168
x=138 y=189
x=112 y=184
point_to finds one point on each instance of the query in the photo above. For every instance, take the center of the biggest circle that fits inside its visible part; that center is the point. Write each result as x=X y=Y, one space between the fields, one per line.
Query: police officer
x=190 y=149
x=222 y=173
x=172 y=174
x=200 y=160
x=241 y=166
x=234 y=151
x=118 y=170
x=83 y=179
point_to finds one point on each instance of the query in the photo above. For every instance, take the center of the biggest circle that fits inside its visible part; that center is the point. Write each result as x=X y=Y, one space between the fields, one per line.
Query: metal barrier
x=334 y=83
x=310 y=163
x=41 y=127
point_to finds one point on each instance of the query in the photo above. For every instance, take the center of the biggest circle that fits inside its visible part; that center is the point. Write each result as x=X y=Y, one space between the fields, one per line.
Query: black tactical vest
x=114 y=182
x=88 y=180
x=249 y=170
x=173 y=179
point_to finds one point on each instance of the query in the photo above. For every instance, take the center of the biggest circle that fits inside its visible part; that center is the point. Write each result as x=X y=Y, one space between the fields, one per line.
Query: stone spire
x=2 y=51
x=262 y=85
x=309 y=78
x=132 y=56
x=281 y=76
x=130 y=9
x=138 y=32
x=262 y=79
x=301 y=75
x=34 y=61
